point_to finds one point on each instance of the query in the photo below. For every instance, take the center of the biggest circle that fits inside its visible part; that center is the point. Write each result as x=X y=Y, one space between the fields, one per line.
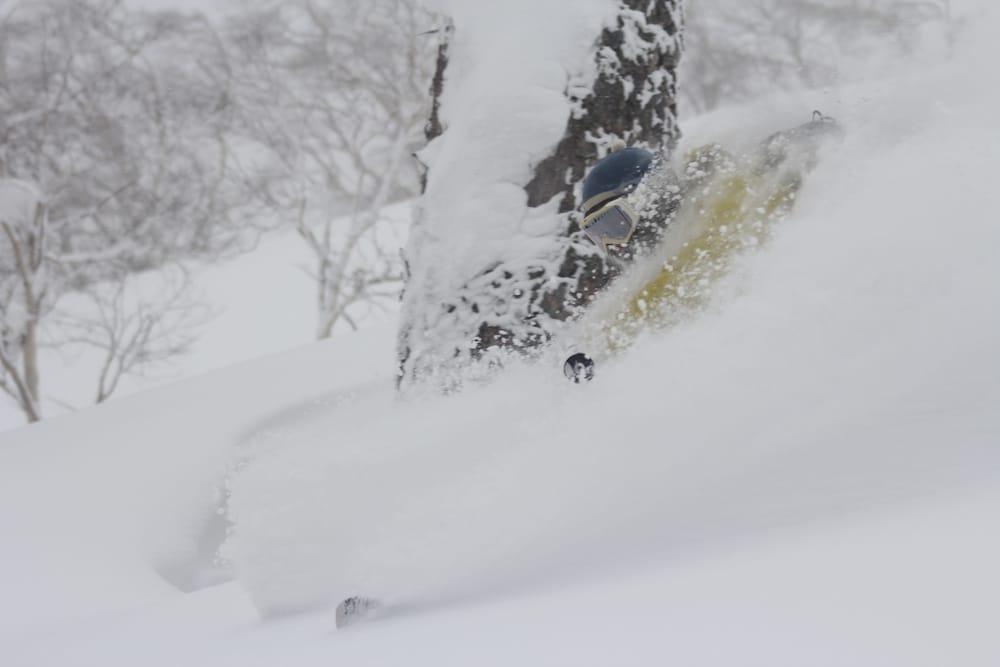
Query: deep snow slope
x=909 y=587
x=808 y=473
x=114 y=506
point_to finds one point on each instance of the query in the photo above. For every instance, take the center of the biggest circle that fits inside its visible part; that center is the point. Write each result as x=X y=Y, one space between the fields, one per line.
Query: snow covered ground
x=807 y=474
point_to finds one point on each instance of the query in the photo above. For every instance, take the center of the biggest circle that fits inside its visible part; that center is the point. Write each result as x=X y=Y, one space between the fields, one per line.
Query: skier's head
x=607 y=218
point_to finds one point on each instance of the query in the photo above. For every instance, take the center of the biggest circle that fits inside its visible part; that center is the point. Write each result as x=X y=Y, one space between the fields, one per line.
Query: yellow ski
x=731 y=205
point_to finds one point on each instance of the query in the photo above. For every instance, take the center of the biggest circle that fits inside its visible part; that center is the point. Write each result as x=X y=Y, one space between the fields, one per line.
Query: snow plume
x=533 y=93
x=853 y=365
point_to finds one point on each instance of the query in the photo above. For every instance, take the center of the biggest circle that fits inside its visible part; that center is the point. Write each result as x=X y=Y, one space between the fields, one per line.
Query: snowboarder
x=629 y=198
x=635 y=206
x=631 y=194
x=355 y=609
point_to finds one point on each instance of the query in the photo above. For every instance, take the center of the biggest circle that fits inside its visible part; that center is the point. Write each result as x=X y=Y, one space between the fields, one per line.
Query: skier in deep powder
x=633 y=201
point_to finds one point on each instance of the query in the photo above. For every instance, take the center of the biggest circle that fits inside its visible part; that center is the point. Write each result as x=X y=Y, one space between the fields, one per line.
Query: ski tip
x=355 y=609
x=579 y=368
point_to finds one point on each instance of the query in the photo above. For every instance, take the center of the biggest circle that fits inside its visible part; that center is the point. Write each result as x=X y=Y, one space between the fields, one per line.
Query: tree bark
x=634 y=98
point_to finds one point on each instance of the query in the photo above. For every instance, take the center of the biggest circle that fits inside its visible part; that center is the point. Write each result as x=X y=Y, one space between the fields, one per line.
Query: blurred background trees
x=334 y=98
x=125 y=148
x=134 y=144
x=738 y=50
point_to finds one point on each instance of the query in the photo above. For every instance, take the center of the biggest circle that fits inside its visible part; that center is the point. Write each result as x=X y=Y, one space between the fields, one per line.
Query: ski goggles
x=611 y=224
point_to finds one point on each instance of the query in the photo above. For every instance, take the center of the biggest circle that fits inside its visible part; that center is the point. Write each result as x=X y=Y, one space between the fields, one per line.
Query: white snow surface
x=809 y=473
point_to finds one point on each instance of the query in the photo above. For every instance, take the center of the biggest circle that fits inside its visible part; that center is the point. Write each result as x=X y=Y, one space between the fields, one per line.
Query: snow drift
x=118 y=505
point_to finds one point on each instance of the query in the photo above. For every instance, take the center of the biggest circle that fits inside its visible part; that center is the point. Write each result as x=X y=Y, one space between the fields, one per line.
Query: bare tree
x=133 y=329
x=336 y=95
x=122 y=120
x=23 y=292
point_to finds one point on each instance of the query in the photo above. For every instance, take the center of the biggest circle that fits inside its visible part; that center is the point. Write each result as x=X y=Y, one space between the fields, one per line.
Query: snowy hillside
x=807 y=474
x=258 y=303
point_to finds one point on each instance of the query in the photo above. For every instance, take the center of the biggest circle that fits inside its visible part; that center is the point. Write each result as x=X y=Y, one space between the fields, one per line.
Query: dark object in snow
x=354 y=609
x=579 y=368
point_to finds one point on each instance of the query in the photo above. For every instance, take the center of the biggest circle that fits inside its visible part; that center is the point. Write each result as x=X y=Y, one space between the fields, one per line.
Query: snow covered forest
x=286 y=287
x=139 y=146
x=144 y=142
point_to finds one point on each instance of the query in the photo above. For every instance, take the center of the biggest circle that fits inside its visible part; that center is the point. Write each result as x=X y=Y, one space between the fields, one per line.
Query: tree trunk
x=35 y=252
x=30 y=361
x=518 y=303
x=27 y=247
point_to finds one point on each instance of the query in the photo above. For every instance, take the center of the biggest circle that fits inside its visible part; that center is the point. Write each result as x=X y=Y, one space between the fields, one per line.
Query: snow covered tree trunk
x=633 y=98
x=493 y=270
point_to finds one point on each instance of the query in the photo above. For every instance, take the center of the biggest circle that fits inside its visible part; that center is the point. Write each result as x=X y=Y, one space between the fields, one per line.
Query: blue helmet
x=615 y=175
